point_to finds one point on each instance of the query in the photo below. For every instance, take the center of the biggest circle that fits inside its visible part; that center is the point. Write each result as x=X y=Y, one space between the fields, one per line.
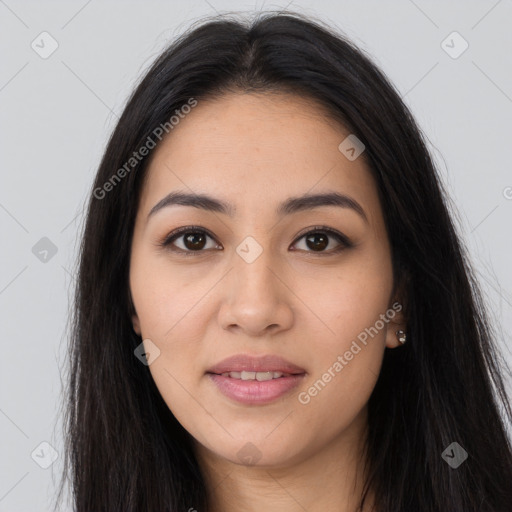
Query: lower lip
x=254 y=391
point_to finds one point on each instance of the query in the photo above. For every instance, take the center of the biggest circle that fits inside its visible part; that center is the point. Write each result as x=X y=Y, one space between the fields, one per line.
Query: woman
x=274 y=310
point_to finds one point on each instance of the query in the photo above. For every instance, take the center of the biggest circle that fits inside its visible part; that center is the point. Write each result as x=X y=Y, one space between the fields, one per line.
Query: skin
x=308 y=306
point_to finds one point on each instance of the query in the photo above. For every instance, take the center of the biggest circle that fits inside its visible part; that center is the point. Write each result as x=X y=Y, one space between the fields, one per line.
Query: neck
x=330 y=479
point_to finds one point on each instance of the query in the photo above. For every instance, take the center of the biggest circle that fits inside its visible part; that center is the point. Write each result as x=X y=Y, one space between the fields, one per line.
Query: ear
x=133 y=314
x=397 y=322
x=136 y=324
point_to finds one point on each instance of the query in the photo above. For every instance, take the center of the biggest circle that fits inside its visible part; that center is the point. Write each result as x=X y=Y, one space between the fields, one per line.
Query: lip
x=248 y=363
x=254 y=392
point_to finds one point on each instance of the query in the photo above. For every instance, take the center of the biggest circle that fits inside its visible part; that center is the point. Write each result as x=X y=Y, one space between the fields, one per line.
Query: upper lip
x=266 y=363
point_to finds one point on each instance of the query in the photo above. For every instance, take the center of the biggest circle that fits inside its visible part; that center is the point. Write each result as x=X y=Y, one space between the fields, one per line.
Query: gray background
x=58 y=112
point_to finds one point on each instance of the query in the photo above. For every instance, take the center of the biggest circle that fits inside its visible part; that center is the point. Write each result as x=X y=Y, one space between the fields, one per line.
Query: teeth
x=259 y=376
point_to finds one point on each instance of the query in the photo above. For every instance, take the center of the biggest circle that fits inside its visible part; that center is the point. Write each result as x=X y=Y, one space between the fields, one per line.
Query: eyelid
x=186 y=229
x=342 y=239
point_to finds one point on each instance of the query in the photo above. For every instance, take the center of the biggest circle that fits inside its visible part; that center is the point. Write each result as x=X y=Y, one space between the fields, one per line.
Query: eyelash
x=345 y=243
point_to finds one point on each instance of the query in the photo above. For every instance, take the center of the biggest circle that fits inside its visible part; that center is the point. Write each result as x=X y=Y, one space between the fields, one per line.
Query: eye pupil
x=195 y=241
x=316 y=244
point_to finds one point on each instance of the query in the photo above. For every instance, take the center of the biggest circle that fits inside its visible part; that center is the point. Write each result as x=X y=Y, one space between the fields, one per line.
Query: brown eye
x=194 y=241
x=189 y=240
x=318 y=240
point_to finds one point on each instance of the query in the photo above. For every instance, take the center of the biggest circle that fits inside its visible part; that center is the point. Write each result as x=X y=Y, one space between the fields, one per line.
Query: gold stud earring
x=402 y=337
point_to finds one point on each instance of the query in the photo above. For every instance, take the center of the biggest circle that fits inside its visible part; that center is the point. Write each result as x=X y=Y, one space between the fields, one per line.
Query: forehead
x=250 y=148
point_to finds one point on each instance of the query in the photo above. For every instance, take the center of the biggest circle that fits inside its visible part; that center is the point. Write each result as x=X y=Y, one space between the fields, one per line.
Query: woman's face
x=262 y=277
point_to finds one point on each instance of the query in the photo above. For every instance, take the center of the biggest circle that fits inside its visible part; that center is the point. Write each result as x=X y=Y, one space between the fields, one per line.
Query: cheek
x=166 y=297
x=348 y=299
x=174 y=307
x=347 y=351
x=171 y=305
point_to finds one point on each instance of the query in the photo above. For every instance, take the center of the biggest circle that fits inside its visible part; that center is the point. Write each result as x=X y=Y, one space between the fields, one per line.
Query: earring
x=402 y=337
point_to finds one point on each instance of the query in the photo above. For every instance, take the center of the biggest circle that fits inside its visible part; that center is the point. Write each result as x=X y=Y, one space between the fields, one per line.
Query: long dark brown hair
x=126 y=451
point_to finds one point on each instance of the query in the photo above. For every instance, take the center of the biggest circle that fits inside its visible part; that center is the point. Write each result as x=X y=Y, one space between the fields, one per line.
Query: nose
x=256 y=298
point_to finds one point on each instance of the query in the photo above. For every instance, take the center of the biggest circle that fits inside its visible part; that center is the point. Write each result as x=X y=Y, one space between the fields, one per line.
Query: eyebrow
x=289 y=206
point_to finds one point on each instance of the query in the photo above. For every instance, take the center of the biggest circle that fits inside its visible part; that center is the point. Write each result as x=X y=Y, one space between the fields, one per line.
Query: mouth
x=259 y=376
x=254 y=380
x=248 y=365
